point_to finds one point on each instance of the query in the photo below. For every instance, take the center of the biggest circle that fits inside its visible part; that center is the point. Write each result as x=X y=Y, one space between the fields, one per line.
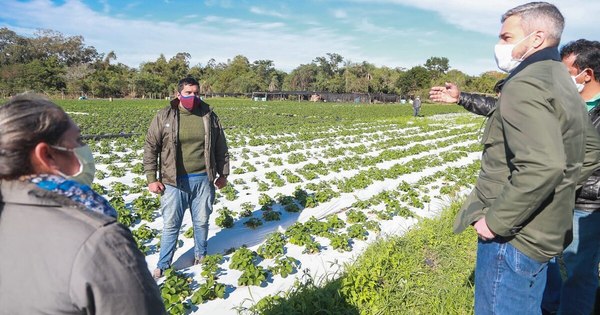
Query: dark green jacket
x=162 y=140
x=534 y=149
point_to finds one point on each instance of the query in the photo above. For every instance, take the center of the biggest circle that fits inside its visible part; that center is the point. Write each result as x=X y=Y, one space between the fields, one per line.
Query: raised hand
x=444 y=94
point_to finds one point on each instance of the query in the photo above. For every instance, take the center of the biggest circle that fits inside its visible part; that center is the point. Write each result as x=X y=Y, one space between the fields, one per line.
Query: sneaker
x=198 y=260
x=157 y=274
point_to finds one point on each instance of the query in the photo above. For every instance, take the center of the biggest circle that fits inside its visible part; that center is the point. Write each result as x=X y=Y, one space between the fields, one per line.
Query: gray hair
x=25 y=121
x=539 y=16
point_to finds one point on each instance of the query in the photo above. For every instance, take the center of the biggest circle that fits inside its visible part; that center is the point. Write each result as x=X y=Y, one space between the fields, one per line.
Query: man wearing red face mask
x=189 y=141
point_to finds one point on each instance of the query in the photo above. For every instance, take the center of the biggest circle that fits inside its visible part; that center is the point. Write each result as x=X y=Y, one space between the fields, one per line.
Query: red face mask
x=188 y=102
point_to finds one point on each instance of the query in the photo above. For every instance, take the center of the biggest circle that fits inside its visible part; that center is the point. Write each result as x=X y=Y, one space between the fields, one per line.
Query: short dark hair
x=587 y=55
x=25 y=121
x=186 y=81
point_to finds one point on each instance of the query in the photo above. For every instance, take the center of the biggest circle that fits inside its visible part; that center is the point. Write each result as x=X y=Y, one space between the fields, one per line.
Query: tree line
x=54 y=64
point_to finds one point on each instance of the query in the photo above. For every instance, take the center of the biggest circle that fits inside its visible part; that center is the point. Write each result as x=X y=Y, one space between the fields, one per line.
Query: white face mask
x=579 y=86
x=504 y=58
x=87 y=167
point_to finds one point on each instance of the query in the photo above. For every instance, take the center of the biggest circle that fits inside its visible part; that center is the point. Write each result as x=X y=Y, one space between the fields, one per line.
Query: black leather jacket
x=588 y=196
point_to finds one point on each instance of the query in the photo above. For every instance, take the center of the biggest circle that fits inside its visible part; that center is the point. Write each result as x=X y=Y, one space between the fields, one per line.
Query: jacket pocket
x=492 y=132
x=488 y=189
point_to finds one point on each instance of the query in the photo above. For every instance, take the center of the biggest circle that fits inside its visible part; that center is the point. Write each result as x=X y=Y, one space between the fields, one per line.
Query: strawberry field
x=311 y=185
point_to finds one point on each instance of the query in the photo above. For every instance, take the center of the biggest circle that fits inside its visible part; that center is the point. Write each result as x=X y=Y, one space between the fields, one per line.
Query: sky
x=392 y=33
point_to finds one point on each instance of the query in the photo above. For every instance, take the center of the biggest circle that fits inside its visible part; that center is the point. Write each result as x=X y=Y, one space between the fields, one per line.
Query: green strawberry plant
x=355 y=216
x=271 y=215
x=253 y=223
x=210 y=266
x=273 y=246
x=284 y=266
x=341 y=242
x=175 y=289
x=225 y=218
x=189 y=233
x=208 y=291
x=145 y=206
x=357 y=231
x=242 y=258
x=252 y=275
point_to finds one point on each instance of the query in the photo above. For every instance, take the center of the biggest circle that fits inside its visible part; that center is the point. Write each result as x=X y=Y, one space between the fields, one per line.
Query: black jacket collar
x=548 y=53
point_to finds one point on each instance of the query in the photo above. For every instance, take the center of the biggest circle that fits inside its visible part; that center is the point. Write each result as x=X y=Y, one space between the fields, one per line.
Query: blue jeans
x=577 y=293
x=194 y=192
x=416 y=111
x=506 y=280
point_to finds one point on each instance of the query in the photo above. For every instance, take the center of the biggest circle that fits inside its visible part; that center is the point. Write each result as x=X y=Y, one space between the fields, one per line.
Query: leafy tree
x=484 y=83
x=414 y=81
x=329 y=75
x=437 y=65
x=358 y=77
x=384 y=80
x=302 y=78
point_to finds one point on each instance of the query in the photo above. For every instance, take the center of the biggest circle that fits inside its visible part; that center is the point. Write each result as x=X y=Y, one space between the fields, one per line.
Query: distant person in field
x=61 y=248
x=536 y=140
x=581 y=257
x=186 y=146
x=416 y=106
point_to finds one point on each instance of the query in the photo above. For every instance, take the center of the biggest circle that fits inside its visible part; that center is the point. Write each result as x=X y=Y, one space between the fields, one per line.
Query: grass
x=428 y=270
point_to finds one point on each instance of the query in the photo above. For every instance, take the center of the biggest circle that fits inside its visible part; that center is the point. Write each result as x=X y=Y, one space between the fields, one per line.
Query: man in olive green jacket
x=534 y=149
x=189 y=139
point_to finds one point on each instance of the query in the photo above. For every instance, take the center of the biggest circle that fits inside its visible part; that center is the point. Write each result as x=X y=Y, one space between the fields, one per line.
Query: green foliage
x=225 y=218
x=124 y=215
x=175 y=289
x=99 y=188
x=373 y=226
x=284 y=266
x=355 y=216
x=145 y=206
x=229 y=192
x=271 y=215
x=210 y=266
x=247 y=209
x=273 y=246
x=242 y=258
x=208 y=291
x=265 y=200
x=253 y=275
x=426 y=271
x=298 y=234
x=306 y=297
x=341 y=242
x=253 y=223
x=357 y=231
x=100 y=175
x=334 y=222
x=142 y=235
x=189 y=233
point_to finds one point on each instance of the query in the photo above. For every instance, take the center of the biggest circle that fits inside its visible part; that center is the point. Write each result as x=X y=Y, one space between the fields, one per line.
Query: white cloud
x=105 y=6
x=137 y=41
x=366 y=37
x=219 y=3
x=261 y=11
x=339 y=14
x=484 y=16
